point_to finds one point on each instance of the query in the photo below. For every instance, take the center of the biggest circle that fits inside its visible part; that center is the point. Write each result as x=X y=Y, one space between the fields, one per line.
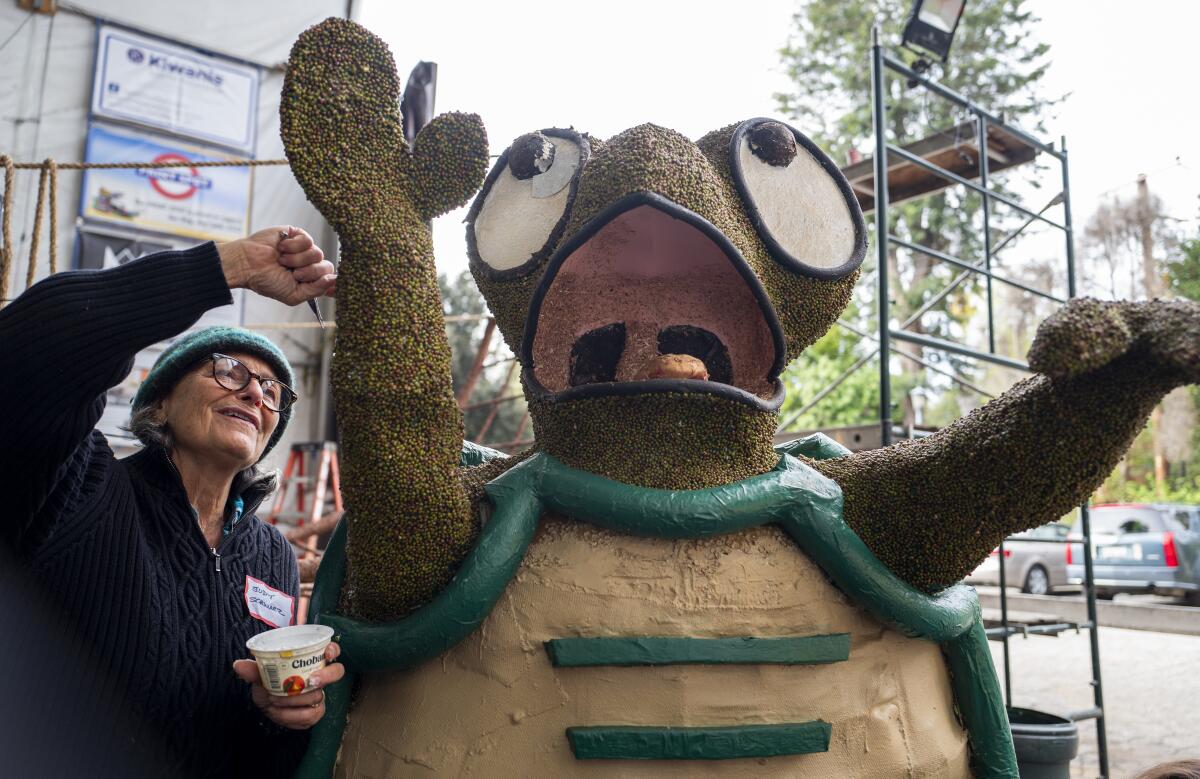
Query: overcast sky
x=698 y=66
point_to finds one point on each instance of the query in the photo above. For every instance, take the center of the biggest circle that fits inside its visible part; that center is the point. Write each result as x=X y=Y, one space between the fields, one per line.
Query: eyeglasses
x=232 y=375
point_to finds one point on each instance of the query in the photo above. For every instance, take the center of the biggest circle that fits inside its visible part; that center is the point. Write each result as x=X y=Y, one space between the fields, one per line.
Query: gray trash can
x=1045 y=744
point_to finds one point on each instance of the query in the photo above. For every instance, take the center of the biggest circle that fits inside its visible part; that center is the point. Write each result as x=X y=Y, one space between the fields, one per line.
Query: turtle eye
x=800 y=203
x=520 y=213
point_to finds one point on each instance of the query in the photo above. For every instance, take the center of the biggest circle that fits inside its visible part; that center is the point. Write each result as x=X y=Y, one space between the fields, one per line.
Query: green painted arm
x=933 y=509
x=409 y=518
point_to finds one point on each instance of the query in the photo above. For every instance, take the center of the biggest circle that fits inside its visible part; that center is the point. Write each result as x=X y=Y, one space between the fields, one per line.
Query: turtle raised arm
x=401 y=430
x=933 y=508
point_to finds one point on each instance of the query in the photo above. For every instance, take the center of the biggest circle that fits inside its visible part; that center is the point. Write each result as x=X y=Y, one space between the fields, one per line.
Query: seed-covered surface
x=696 y=176
x=401 y=430
x=807 y=307
x=685 y=441
x=932 y=509
x=476 y=477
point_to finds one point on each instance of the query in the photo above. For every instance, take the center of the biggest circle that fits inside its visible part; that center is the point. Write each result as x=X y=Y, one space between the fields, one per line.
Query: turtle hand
x=1087 y=334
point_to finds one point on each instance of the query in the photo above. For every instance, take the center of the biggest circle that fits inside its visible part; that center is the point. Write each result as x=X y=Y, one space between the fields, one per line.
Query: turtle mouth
x=650 y=297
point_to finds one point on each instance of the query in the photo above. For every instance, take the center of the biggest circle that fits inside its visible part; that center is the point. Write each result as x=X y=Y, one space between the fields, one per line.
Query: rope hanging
x=35 y=239
x=6 y=227
x=52 y=166
x=47 y=195
x=132 y=165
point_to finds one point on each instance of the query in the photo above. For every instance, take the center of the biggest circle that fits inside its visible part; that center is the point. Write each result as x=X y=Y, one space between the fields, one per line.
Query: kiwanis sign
x=167 y=86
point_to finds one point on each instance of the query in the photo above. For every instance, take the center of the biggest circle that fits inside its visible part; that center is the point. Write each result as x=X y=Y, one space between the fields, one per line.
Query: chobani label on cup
x=288 y=678
x=267 y=604
x=288 y=656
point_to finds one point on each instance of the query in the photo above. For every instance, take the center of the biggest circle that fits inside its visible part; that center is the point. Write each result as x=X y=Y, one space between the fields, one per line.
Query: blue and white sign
x=172 y=87
x=197 y=202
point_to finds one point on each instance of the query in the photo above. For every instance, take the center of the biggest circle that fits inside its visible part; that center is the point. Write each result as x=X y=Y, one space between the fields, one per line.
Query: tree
x=1183 y=270
x=830 y=359
x=1183 y=280
x=994 y=62
x=1128 y=240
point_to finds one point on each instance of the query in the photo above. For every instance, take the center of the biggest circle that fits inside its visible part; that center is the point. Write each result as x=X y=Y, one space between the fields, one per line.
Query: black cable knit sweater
x=114 y=544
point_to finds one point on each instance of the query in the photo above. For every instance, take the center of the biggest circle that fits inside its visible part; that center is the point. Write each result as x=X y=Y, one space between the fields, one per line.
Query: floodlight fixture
x=931 y=26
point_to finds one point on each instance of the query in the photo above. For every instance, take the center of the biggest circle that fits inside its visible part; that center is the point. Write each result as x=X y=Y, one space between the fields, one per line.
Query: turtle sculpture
x=653 y=588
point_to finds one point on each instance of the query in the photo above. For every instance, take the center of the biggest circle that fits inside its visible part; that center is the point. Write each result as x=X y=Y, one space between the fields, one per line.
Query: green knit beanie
x=193 y=348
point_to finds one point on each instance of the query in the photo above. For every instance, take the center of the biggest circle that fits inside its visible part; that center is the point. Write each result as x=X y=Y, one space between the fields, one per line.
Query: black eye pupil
x=773 y=143
x=529 y=155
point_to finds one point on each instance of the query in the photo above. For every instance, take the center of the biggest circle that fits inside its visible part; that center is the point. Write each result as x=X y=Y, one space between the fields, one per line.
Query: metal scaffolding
x=887 y=155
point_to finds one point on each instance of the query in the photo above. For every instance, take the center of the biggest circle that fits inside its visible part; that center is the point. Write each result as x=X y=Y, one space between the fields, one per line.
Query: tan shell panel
x=494 y=706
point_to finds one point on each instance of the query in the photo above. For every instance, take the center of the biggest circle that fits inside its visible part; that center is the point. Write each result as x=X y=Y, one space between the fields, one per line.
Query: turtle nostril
x=595 y=354
x=701 y=344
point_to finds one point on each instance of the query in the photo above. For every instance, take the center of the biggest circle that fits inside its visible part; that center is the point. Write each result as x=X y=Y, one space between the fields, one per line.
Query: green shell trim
x=476 y=454
x=671 y=650
x=326 y=738
x=806 y=504
x=817 y=446
x=977 y=695
x=651 y=743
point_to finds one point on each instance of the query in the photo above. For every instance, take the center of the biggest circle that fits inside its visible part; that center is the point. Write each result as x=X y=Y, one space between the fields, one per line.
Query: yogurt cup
x=288 y=656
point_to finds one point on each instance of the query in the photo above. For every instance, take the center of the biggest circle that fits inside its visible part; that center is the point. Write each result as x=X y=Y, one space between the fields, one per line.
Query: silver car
x=1035 y=561
x=1141 y=548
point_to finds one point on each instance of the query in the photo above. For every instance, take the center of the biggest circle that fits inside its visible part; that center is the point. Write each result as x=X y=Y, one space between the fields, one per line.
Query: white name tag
x=268 y=604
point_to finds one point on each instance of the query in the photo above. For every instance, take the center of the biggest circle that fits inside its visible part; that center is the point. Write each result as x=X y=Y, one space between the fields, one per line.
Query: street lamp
x=930 y=29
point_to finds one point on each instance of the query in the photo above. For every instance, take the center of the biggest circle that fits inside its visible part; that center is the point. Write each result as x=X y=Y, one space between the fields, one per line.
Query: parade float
x=654 y=588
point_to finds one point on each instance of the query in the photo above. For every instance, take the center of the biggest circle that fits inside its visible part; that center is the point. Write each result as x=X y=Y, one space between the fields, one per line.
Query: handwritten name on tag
x=269 y=605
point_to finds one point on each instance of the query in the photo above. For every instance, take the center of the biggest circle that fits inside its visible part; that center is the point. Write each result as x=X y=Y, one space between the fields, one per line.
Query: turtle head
x=655 y=288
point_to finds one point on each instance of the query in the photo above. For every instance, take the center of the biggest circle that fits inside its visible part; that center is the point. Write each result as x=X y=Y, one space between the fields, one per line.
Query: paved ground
x=1151 y=693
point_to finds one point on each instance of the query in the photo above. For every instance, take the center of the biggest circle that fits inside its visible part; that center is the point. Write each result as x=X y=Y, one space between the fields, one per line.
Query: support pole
x=1152 y=281
x=1068 y=232
x=881 y=236
x=1089 y=589
x=1094 y=636
x=982 y=122
x=1004 y=623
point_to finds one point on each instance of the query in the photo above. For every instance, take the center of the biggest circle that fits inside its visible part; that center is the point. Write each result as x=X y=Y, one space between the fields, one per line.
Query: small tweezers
x=312 y=303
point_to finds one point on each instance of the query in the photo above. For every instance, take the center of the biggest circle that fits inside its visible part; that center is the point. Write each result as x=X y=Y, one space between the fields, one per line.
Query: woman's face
x=213 y=423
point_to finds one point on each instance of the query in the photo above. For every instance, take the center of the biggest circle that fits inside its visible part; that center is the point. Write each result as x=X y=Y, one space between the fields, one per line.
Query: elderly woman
x=148 y=559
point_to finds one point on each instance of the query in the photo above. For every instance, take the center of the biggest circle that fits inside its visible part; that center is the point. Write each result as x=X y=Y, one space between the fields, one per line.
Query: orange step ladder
x=318 y=507
x=311 y=504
